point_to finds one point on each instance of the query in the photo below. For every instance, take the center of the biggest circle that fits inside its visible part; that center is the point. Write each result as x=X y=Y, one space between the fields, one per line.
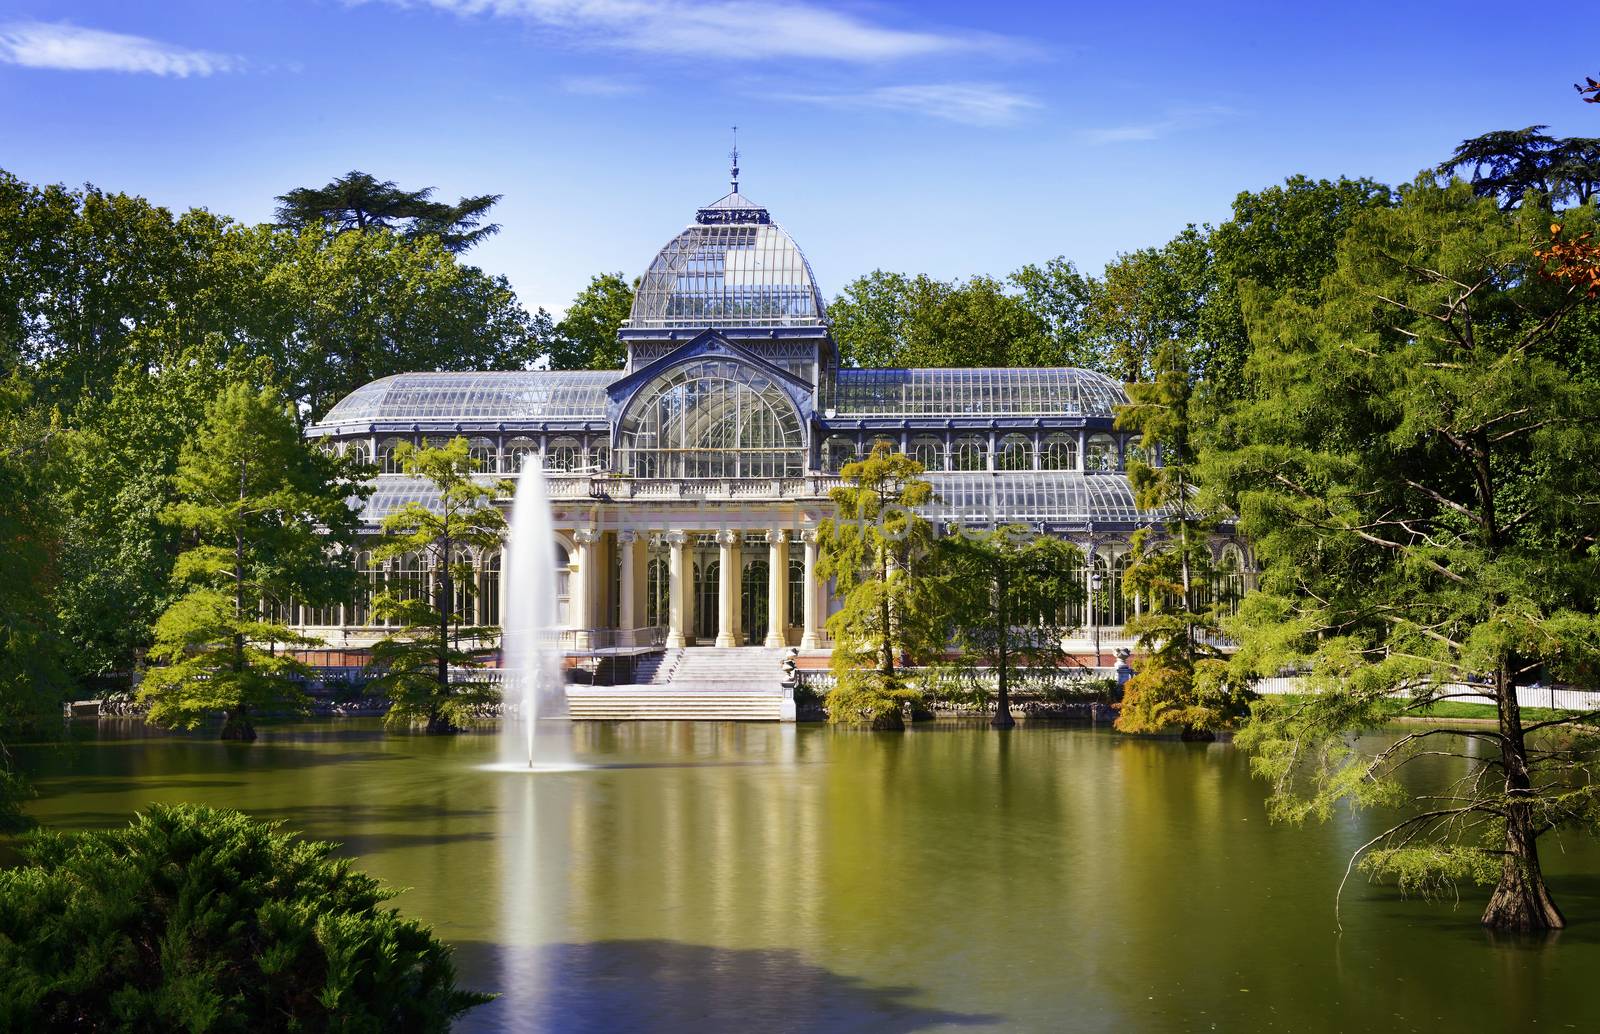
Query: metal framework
x=1008 y=391
x=716 y=418
x=481 y=398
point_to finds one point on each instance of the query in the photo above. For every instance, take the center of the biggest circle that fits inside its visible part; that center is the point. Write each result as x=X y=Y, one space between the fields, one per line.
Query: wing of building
x=687 y=486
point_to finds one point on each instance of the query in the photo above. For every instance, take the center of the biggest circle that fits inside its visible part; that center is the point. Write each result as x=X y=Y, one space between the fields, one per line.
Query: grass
x=1458 y=709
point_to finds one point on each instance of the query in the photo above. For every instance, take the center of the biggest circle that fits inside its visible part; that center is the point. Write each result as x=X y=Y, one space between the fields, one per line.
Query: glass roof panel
x=733 y=267
x=997 y=391
x=1031 y=497
x=483 y=397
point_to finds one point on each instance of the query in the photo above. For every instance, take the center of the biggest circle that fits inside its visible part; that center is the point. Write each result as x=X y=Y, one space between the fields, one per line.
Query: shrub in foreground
x=197 y=919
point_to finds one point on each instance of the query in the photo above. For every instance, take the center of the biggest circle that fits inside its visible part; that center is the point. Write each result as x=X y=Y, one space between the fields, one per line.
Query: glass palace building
x=688 y=485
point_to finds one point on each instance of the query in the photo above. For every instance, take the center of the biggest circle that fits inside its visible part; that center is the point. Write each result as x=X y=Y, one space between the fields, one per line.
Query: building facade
x=687 y=487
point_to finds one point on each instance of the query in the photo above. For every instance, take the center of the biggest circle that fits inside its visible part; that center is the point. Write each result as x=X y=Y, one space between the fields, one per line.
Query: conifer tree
x=266 y=516
x=877 y=550
x=1419 y=475
x=1181 y=679
x=415 y=662
x=360 y=201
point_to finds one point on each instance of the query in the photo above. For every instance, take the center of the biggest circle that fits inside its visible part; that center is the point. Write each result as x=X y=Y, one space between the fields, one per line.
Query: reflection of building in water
x=688 y=484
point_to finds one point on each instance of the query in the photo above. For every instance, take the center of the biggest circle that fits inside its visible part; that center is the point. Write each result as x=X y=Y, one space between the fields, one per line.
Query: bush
x=197 y=919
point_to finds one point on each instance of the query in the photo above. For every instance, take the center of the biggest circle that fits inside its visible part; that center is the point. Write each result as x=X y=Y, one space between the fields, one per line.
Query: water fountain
x=533 y=687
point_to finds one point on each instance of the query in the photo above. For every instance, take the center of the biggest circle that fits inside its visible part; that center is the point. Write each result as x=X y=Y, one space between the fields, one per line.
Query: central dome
x=732 y=267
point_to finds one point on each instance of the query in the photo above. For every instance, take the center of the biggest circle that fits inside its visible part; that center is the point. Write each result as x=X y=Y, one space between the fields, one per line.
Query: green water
x=710 y=877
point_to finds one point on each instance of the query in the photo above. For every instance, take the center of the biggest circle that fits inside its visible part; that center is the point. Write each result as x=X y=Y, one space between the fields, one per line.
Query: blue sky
x=918 y=136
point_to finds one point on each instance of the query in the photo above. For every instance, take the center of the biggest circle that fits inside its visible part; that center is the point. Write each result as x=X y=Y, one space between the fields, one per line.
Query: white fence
x=1466 y=693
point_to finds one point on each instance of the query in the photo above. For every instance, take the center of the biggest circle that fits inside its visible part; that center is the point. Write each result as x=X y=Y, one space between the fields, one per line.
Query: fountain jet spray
x=533 y=687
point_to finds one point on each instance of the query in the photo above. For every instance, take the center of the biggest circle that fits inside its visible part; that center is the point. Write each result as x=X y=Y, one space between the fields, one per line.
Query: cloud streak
x=1135 y=132
x=73 y=49
x=972 y=104
x=736 y=30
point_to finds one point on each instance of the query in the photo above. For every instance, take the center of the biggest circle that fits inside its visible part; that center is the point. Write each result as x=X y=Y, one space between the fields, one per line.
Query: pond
x=719 y=877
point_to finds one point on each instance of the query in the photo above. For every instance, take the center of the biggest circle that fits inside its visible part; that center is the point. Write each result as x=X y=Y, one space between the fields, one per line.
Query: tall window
x=714 y=418
x=563 y=586
x=517 y=452
x=836 y=452
x=1102 y=453
x=1060 y=452
x=482 y=452
x=657 y=587
x=600 y=454
x=1016 y=453
x=797 y=591
x=388 y=459
x=969 y=452
x=562 y=454
x=489 y=590
x=929 y=452
x=357 y=451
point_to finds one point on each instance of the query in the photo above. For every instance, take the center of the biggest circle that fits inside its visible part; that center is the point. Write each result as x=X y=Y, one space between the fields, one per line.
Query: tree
x=1010 y=591
x=191 y=918
x=33 y=676
x=1060 y=297
x=1181 y=681
x=267 y=517
x=358 y=201
x=414 y=663
x=877 y=550
x=1279 y=241
x=1420 y=479
x=345 y=311
x=586 y=337
x=886 y=319
x=1509 y=163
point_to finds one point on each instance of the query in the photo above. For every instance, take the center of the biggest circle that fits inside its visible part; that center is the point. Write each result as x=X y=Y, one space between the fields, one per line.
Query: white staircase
x=696 y=684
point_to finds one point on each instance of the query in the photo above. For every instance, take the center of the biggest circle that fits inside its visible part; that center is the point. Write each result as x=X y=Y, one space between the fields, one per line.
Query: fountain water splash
x=533 y=687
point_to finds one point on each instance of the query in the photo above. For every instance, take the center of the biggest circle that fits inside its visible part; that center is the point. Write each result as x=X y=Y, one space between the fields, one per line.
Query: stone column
x=809 y=639
x=627 y=588
x=777 y=588
x=583 y=589
x=728 y=590
x=677 y=588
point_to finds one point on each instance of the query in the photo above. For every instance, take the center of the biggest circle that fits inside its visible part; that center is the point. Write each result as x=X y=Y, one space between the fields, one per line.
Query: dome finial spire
x=734 y=154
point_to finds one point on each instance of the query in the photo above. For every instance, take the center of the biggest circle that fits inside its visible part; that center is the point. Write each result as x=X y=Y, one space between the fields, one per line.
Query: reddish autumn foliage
x=1572 y=260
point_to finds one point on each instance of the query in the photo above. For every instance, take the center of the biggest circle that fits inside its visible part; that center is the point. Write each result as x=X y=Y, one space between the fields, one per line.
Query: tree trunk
x=439 y=725
x=1520 y=901
x=236 y=726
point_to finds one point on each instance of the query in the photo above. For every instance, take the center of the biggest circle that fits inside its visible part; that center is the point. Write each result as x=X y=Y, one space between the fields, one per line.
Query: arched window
x=1227 y=580
x=969 y=452
x=713 y=418
x=600 y=454
x=797 y=591
x=1016 y=453
x=1133 y=450
x=562 y=454
x=388 y=456
x=1101 y=453
x=356 y=452
x=1060 y=452
x=482 y=452
x=518 y=451
x=928 y=451
x=836 y=452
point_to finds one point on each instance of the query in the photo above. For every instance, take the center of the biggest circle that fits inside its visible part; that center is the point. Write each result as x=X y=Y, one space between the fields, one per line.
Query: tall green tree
x=886 y=319
x=1420 y=478
x=586 y=337
x=359 y=201
x=1180 y=681
x=1061 y=297
x=266 y=518
x=33 y=669
x=877 y=549
x=1145 y=299
x=1009 y=594
x=414 y=662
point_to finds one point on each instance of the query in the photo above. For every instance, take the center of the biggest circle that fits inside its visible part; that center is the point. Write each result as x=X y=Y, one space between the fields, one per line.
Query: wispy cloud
x=1181 y=119
x=973 y=104
x=748 y=30
x=70 y=48
x=598 y=86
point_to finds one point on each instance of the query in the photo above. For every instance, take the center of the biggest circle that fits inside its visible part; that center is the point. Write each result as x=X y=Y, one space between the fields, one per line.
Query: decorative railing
x=564 y=487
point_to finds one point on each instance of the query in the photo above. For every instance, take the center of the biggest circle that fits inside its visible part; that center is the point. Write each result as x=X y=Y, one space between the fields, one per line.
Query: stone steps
x=651 y=704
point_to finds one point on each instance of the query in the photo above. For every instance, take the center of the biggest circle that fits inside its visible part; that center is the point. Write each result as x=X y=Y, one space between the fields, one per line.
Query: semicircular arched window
x=714 y=418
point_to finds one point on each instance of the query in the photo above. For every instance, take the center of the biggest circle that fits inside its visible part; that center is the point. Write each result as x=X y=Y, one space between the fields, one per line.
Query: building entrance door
x=753 y=603
x=707 y=594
